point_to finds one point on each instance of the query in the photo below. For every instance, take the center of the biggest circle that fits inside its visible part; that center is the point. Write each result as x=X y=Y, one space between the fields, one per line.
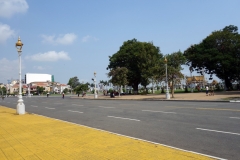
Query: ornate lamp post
x=20 y=105
x=95 y=92
x=167 y=92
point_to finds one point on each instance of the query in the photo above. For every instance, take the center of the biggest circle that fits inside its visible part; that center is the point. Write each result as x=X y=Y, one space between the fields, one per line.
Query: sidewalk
x=31 y=137
x=201 y=96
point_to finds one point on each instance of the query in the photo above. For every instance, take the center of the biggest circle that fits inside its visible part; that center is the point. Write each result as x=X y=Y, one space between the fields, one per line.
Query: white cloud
x=9 y=69
x=5 y=32
x=10 y=7
x=65 y=39
x=49 y=56
x=89 y=38
x=39 y=67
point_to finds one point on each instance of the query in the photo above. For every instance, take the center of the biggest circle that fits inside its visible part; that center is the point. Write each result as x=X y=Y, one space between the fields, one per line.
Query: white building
x=36 y=77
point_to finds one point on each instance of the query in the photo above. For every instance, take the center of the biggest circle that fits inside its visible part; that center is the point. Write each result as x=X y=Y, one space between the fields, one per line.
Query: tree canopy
x=73 y=82
x=141 y=59
x=118 y=76
x=219 y=54
x=81 y=87
x=174 y=62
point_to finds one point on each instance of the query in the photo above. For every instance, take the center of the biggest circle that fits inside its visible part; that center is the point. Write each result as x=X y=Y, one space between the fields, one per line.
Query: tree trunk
x=135 y=88
x=228 y=83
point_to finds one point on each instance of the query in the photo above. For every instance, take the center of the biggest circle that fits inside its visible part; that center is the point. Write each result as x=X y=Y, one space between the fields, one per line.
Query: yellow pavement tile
x=33 y=137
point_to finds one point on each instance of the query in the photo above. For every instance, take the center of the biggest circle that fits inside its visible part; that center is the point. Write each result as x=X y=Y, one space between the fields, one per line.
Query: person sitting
x=112 y=95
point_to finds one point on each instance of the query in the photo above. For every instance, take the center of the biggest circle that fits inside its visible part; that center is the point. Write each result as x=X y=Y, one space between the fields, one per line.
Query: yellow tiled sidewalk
x=33 y=137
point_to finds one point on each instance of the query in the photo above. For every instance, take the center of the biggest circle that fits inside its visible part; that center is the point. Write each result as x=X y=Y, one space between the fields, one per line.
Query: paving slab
x=31 y=137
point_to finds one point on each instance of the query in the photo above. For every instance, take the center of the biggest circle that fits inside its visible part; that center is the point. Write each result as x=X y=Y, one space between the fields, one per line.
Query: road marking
x=77 y=105
x=158 y=111
x=235 y=117
x=124 y=118
x=127 y=104
x=218 y=131
x=57 y=103
x=74 y=111
x=178 y=107
x=234 y=101
x=216 y=109
x=49 y=108
x=105 y=107
x=33 y=106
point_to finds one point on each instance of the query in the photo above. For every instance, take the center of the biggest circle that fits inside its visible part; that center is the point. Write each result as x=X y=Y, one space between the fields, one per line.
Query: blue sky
x=75 y=38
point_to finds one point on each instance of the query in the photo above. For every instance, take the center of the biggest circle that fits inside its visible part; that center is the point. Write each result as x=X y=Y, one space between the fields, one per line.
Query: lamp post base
x=167 y=95
x=20 y=107
x=95 y=96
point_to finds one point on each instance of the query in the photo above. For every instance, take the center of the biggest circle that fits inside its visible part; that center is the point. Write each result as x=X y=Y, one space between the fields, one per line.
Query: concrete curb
x=178 y=100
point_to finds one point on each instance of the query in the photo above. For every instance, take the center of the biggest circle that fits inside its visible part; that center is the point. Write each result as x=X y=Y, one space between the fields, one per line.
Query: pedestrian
x=63 y=95
x=211 y=91
x=47 y=94
x=206 y=90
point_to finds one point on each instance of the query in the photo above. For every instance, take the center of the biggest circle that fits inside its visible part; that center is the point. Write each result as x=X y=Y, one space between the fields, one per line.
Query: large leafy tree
x=73 y=82
x=81 y=87
x=118 y=77
x=151 y=65
x=140 y=58
x=219 y=54
x=174 y=62
x=40 y=89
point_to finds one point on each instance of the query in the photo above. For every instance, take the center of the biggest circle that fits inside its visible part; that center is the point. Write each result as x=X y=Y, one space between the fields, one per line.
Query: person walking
x=206 y=90
x=63 y=95
x=47 y=94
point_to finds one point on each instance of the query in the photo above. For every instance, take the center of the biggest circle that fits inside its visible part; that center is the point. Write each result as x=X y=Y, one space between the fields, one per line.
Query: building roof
x=195 y=79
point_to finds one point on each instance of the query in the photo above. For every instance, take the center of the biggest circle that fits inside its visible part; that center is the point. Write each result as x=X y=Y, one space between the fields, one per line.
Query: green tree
x=73 y=82
x=219 y=54
x=3 y=90
x=65 y=90
x=174 y=62
x=118 y=77
x=81 y=88
x=140 y=58
x=40 y=89
x=151 y=65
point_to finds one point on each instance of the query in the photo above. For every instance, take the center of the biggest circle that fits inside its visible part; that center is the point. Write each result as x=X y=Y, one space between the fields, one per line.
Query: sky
x=76 y=37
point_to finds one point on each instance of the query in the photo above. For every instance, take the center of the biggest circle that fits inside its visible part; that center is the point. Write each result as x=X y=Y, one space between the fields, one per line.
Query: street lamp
x=95 y=92
x=167 y=92
x=20 y=105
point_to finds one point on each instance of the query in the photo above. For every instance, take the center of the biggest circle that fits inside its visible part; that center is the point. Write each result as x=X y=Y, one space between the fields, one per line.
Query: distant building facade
x=36 y=77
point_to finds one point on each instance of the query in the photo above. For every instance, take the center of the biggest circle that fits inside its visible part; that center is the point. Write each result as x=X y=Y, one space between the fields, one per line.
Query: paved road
x=204 y=127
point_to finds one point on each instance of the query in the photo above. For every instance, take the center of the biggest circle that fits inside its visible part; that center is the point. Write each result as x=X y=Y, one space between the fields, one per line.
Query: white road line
x=218 y=131
x=235 y=117
x=158 y=111
x=74 y=111
x=49 y=108
x=77 y=104
x=105 y=107
x=33 y=106
x=124 y=118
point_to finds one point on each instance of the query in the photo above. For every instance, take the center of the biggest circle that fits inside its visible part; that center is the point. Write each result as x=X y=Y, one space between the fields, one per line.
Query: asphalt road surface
x=205 y=127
